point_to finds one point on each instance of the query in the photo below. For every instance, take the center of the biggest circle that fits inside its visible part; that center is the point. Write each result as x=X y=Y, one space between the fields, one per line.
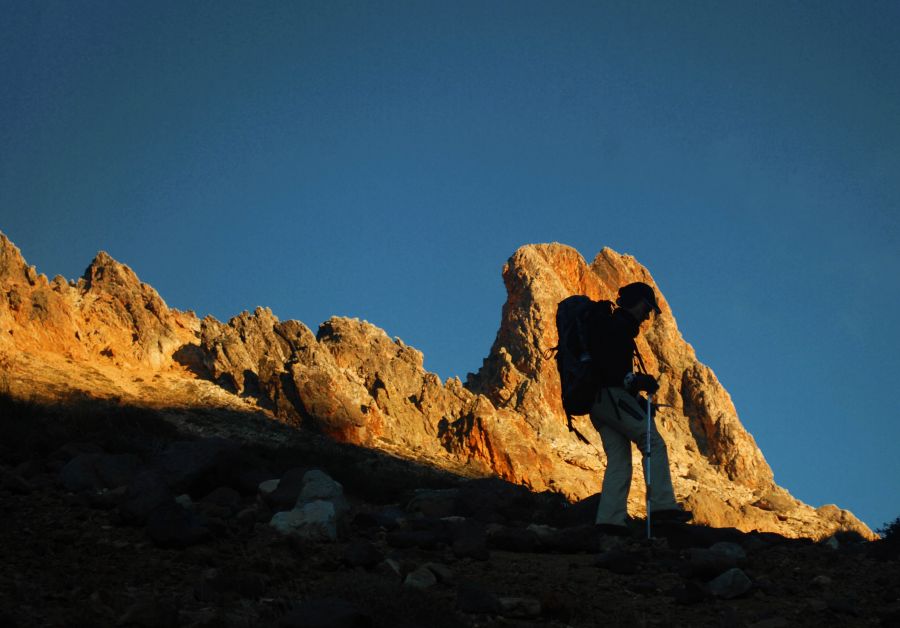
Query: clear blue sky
x=383 y=159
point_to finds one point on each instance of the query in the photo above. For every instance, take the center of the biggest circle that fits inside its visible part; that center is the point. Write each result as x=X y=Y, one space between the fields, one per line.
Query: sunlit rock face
x=107 y=315
x=107 y=330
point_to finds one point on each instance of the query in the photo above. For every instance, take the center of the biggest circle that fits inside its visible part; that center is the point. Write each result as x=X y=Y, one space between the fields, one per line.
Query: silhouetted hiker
x=621 y=416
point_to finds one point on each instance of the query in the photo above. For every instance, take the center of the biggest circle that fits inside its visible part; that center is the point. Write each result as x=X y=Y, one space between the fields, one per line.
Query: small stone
x=247 y=517
x=184 y=501
x=146 y=492
x=421 y=578
x=441 y=571
x=731 y=584
x=821 y=581
x=543 y=532
x=519 y=607
x=389 y=567
x=268 y=487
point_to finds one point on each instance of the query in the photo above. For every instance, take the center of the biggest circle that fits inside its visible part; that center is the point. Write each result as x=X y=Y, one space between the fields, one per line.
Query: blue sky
x=383 y=160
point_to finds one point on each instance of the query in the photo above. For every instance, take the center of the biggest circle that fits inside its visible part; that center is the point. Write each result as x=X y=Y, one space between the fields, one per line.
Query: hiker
x=620 y=416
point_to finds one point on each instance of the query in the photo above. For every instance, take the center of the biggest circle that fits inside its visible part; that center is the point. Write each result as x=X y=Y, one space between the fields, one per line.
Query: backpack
x=577 y=376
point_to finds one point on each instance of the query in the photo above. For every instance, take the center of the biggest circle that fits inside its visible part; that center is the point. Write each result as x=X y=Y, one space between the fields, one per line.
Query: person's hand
x=644 y=382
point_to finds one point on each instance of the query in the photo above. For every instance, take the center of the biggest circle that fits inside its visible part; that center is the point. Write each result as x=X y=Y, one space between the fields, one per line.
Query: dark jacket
x=612 y=347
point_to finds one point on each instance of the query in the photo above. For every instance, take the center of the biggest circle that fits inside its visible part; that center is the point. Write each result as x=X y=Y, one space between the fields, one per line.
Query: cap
x=637 y=291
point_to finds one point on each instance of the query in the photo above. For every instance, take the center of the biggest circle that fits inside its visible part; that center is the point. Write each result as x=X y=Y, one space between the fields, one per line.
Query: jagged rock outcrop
x=108 y=315
x=353 y=382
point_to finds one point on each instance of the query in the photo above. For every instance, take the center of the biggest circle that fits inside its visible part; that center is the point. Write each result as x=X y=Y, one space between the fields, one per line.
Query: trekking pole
x=647 y=463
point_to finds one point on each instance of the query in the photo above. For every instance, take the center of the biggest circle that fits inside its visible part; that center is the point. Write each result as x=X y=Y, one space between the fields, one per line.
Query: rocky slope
x=111 y=516
x=109 y=335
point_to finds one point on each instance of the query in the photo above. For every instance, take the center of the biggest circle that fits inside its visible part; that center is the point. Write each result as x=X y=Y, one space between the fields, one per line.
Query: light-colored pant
x=621 y=421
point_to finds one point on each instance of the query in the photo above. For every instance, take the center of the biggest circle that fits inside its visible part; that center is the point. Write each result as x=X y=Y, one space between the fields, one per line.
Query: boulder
x=709 y=563
x=318 y=485
x=512 y=539
x=196 y=467
x=315 y=521
x=493 y=500
x=144 y=494
x=434 y=503
x=731 y=584
x=93 y=472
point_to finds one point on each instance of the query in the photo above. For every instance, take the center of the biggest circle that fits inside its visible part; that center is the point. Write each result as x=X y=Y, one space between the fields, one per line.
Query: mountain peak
x=354 y=383
x=13 y=268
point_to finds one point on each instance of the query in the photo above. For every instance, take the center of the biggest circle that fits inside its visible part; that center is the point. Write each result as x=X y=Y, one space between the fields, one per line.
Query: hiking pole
x=647 y=463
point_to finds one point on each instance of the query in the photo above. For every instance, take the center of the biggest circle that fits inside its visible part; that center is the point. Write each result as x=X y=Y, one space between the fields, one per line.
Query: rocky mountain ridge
x=109 y=335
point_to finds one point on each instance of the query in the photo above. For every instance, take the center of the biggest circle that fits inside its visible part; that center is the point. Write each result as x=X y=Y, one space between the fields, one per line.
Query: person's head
x=639 y=299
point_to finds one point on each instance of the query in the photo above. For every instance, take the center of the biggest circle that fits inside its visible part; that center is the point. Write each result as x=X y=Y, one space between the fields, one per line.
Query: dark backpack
x=577 y=375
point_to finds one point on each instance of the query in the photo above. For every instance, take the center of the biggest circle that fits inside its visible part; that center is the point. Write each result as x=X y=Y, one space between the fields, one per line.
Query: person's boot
x=671 y=515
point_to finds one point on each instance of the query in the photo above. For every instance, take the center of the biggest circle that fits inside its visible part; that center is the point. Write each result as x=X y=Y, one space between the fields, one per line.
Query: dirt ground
x=68 y=560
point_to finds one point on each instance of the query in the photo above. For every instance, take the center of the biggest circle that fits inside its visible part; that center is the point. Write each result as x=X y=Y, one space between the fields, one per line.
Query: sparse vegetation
x=890 y=531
